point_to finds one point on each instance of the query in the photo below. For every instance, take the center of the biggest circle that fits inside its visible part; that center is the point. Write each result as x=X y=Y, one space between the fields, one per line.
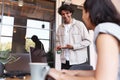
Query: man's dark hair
x=65 y=7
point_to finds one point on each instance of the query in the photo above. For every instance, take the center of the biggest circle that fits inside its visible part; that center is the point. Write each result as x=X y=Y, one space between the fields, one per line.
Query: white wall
x=93 y=55
x=78 y=2
x=58 y=22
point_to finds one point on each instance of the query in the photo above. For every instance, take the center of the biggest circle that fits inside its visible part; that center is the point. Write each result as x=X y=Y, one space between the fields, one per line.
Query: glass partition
x=19 y=23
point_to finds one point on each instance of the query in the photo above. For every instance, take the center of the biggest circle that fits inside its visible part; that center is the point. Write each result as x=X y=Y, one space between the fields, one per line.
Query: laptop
x=20 y=65
x=37 y=55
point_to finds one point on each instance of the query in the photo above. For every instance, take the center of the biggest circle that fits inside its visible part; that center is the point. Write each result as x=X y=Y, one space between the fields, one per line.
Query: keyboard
x=14 y=74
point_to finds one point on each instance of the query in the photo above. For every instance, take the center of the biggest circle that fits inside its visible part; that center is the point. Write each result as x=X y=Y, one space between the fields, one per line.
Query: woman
x=103 y=17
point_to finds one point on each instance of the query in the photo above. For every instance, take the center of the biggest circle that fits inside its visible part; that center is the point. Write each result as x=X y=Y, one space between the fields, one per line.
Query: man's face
x=66 y=15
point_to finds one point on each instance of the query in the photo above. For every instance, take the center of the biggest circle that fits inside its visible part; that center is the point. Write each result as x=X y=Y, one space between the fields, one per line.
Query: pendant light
x=43 y=25
x=20 y=3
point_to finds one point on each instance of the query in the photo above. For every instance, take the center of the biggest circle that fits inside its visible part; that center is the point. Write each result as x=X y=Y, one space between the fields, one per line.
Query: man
x=72 y=38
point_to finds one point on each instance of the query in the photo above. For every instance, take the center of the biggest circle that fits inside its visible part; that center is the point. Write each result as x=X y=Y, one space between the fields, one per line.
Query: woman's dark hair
x=65 y=7
x=34 y=38
x=101 y=11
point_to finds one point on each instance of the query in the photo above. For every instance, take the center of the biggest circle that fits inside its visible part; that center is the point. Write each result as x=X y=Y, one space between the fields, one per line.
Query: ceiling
x=35 y=9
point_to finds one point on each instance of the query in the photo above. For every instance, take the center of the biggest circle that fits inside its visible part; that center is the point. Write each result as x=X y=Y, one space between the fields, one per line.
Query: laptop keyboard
x=14 y=74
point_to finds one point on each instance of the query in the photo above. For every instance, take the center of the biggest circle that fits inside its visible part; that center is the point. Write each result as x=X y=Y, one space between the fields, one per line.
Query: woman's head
x=66 y=12
x=34 y=38
x=100 y=11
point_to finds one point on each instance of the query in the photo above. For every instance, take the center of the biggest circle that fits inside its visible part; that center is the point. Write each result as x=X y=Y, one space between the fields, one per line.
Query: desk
x=25 y=78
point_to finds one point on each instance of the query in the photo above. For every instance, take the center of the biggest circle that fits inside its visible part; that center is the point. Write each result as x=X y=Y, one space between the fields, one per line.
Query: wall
x=77 y=2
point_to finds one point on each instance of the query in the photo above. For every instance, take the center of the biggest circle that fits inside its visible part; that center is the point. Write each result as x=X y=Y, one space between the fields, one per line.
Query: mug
x=39 y=71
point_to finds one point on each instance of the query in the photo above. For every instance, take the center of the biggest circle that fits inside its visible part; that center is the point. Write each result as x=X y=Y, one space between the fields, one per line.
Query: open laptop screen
x=22 y=64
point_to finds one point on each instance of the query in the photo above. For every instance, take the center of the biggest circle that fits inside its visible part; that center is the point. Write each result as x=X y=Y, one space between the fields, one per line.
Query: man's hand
x=69 y=46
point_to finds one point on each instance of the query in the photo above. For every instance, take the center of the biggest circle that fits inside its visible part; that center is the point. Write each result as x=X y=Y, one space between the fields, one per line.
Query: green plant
x=50 y=58
x=6 y=57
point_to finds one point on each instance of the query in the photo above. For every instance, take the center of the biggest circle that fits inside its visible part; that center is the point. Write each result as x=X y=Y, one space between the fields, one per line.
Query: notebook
x=21 y=65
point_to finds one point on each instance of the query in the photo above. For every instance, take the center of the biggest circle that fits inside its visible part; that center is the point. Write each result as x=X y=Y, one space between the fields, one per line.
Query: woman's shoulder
x=108 y=25
x=108 y=28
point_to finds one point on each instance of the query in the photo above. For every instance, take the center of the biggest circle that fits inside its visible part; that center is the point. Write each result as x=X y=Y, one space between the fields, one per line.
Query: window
x=34 y=27
x=6 y=33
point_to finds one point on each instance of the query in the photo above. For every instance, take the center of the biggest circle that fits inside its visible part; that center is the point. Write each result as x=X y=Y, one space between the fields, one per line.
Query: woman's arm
x=108 y=56
x=107 y=62
x=64 y=75
x=79 y=72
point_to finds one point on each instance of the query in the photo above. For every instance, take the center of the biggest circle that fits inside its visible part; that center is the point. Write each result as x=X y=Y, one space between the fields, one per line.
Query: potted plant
x=50 y=58
x=5 y=58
